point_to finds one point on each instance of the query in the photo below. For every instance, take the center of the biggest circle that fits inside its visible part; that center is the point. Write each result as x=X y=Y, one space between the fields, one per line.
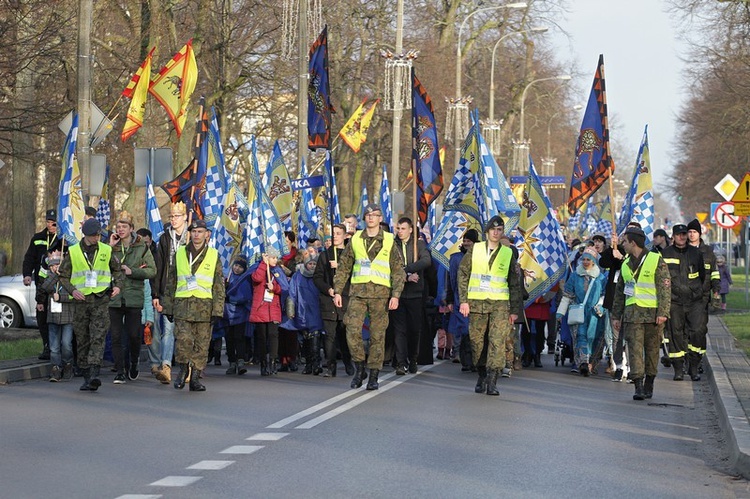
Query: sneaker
x=506 y=372
x=574 y=368
x=400 y=370
x=133 y=372
x=617 y=376
x=56 y=374
x=155 y=371
x=413 y=367
x=119 y=378
x=67 y=372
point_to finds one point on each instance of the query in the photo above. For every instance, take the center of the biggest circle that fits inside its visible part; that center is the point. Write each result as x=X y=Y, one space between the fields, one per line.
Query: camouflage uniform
x=489 y=327
x=642 y=334
x=368 y=298
x=90 y=317
x=192 y=316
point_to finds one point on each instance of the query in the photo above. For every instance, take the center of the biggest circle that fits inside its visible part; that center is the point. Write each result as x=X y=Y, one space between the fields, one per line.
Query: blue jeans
x=60 y=338
x=162 y=341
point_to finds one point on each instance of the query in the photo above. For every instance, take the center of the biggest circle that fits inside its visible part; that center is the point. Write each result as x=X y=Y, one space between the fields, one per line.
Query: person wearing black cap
x=711 y=285
x=377 y=280
x=660 y=241
x=458 y=325
x=195 y=300
x=688 y=274
x=489 y=290
x=641 y=308
x=35 y=268
x=92 y=275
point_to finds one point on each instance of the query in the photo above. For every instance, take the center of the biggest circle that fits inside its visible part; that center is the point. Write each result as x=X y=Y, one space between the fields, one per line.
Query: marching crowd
x=367 y=298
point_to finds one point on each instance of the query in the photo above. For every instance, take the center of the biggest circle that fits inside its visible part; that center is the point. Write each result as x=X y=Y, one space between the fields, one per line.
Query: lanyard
x=635 y=274
x=371 y=245
x=85 y=256
x=190 y=257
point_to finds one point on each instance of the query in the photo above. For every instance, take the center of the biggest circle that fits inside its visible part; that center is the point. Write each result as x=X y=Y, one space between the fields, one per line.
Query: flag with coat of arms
x=639 y=201
x=70 y=207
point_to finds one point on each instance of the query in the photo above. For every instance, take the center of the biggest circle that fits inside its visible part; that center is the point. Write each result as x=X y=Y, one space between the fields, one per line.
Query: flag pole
x=198 y=136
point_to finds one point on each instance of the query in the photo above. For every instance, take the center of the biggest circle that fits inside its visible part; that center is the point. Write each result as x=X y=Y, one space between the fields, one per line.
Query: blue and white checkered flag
x=449 y=235
x=273 y=230
x=497 y=197
x=333 y=200
x=363 y=202
x=103 y=212
x=308 y=215
x=385 y=200
x=541 y=245
x=639 y=201
x=153 y=217
x=212 y=159
x=252 y=243
x=227 y=234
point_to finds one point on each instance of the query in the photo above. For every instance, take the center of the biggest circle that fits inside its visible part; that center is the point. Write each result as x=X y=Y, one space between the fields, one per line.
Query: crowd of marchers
x=365 y=299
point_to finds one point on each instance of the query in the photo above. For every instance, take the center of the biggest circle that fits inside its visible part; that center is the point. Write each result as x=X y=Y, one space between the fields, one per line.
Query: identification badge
x=629 y=289
x=364 y=268
x=192 y=283
x=91 y=278
x=267 y=296
x=484 y=283
x=55 y=307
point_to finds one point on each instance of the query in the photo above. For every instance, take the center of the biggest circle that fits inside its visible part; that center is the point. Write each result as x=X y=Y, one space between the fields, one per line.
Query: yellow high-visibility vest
x=81 y=265
x=487 y=283
x=379 y=268
x=645 y=287
x=204 y=275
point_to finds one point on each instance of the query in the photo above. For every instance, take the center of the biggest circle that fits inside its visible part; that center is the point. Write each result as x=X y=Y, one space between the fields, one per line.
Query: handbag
x=576 y=313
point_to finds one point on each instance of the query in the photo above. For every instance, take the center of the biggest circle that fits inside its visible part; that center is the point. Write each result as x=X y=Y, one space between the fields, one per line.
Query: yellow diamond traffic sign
x=726 y=187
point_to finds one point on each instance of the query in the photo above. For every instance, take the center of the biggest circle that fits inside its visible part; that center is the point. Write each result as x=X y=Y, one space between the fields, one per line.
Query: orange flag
x=175 y=83
x=137 y=91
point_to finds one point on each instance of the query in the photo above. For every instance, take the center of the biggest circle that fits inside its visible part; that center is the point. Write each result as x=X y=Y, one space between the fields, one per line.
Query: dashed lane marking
x=242 y=449
x=139 y=496
x=272 y=437
x=210 y=465
x=176 y=481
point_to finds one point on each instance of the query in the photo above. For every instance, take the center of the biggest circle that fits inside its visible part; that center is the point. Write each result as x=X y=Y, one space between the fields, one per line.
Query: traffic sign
x=741 y=197
x=712 y=211
x=725 y=217
x=701 y=216
x=726 y=187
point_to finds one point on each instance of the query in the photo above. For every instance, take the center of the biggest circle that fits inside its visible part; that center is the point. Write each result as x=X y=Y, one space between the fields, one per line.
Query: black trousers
x=336 y=340
x=125 y=322
x=266 y=340
x=235 y=338
x=408 y=321
x=537 y=326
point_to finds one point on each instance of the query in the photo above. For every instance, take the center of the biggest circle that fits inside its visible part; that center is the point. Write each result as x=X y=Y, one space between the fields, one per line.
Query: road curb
x=731 y=415
x=24 y=373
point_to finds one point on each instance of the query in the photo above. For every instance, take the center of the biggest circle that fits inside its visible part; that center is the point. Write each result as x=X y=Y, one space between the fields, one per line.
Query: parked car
x=17 y=302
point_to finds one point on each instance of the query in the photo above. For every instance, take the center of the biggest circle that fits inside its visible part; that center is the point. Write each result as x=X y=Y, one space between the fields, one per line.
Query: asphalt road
x=549 y=433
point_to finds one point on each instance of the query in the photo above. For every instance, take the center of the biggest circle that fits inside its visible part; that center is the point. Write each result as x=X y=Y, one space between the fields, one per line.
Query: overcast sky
x=643 y=71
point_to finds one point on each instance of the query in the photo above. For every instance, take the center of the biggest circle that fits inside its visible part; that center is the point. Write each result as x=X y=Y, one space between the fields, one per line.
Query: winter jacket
x=50 y=286
x=458 y=325
x=726 y=279
x=413 y=266
x=323 y=279
x=263 y=311
x=304 y=294
x=34 y=264
x=139 y=259
x=238 y=299
x=576 y=287
x=164 y=259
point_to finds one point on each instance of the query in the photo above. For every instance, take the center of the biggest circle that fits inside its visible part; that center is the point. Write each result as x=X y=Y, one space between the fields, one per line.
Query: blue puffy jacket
x=304 y=293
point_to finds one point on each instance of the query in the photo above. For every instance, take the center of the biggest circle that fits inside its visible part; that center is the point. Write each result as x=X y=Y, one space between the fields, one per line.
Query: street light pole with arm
x=523 y=98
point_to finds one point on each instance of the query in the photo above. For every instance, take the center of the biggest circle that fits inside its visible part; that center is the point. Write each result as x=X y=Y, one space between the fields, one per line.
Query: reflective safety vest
x=487 y=283
x=644 y=294
x=81 y=266
x=377 y=271
x=198 y=285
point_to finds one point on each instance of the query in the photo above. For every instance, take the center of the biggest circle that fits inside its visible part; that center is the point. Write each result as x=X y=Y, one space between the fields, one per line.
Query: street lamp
x=523 y=97
x=538 y=29
x=458 y=100
x=548 y=162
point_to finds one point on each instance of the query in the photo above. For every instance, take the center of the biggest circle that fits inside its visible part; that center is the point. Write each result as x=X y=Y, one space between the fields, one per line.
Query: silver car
x=17 y=302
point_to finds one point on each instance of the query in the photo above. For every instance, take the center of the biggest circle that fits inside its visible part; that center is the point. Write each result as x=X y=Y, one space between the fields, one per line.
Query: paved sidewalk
x=729 y=372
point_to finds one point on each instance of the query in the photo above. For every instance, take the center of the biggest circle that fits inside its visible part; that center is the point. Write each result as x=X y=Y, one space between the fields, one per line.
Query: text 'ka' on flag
x=593 y=164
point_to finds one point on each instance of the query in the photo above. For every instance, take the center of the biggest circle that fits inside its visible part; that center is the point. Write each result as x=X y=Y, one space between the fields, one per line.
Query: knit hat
x=695 y=225
x=590 y=253
x=660 y=232
x=472 y=235
x=241 y=261
x=271 y=251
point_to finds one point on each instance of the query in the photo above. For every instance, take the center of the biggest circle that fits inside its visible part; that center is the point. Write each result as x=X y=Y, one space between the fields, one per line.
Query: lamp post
x=523 y=98
x=458 y=100
x=548 y=162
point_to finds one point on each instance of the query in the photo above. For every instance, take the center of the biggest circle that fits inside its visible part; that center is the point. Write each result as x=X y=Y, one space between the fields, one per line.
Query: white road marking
x=359 y=400
x=242 y=449
x=176 y=481
x=140 y=496
x=268 y=436
x=210 y=465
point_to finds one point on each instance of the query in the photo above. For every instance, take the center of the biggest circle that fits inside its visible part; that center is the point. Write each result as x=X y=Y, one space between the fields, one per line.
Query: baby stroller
x=564 y=343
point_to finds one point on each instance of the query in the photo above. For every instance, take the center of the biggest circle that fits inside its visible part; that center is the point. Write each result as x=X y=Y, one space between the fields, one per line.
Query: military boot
x=679 y=366
x=183 y=376
x=694 y=360
x=195 y=382
x=492 y=382
x=359 y=375
x=264 y=368
x=85 y=387
x=648 y=387
x=638 y=395
x=95 y=382
x=481 y=380
x=372 y=383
